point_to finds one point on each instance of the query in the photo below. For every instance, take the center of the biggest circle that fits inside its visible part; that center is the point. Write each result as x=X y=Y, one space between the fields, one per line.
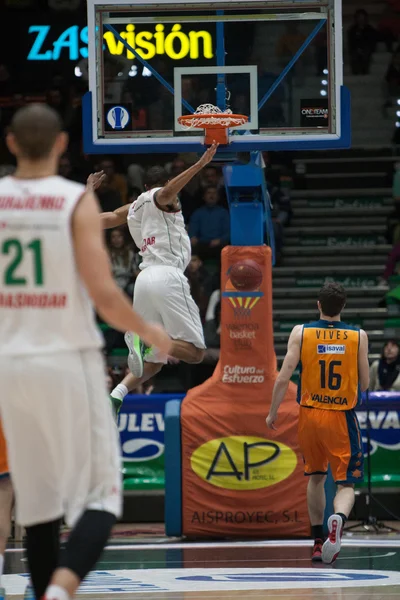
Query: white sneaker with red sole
x=331 y=548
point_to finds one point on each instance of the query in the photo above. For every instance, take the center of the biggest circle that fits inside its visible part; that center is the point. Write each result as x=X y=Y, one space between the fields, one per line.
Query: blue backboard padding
x=247 y=225
x=181 y=144
x=243 y=176
x=173 y=468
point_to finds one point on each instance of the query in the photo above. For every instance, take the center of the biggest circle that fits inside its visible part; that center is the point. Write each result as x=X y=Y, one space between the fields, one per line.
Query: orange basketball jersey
x=329 y=366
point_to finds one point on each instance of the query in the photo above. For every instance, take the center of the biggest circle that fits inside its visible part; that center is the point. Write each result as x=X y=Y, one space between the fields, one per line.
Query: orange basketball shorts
x=3 y=454
x=331 y=437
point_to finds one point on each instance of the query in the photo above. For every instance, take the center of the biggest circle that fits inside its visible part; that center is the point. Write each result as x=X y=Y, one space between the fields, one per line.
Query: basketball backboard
x=277 y=61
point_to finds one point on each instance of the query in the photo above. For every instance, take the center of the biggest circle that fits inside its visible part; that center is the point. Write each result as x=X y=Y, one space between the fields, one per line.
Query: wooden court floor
x=147 y=565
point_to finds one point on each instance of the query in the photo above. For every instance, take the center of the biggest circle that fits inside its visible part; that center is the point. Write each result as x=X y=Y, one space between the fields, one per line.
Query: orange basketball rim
x=214 y=121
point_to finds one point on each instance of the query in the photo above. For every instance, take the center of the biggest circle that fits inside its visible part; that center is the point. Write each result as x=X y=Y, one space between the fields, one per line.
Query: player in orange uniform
x=6 y=502
x=334 y=369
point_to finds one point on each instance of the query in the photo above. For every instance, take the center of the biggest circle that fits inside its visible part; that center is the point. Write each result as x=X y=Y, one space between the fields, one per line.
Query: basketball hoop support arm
x=249 y=204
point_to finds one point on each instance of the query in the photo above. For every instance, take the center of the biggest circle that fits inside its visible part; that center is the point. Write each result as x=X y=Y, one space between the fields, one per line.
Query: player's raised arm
x=363 y=362
x=169 y=192
x=281 y=384
x=117 y=218
x=94 y=269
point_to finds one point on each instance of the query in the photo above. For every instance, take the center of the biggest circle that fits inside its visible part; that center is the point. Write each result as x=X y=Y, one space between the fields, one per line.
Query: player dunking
x=334 y=368
x=162 y=293
x=61 y=439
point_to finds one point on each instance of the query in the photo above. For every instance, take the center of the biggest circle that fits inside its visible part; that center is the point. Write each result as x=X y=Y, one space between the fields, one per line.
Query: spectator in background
x=138 y=115
x=109 y=198
x=188 y=196
x=392 y=81
x=385 y=372
x=66 y=170
x=212 y=176
x=281 y=213
x=393 y=221
x=212 y=337
x=362 y=38
x=389 y=26
x=115 y=181
x=392 y=263
x=209 y=226
x=56 y=101
x=124 y=262
x=200 y=283
x=289 y=42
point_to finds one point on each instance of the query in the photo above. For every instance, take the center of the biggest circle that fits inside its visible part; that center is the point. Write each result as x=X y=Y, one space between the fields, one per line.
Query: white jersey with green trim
x=44 y=306
x=161 y=236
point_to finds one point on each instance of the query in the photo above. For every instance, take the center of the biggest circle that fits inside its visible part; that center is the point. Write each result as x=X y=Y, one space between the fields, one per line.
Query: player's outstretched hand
x=208 y=155
x=271 y=420
x=155 y=335
x=95 y=180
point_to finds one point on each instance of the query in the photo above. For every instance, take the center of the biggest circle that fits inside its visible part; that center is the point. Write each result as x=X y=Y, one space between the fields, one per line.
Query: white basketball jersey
x=160 y=236
x=44 y=306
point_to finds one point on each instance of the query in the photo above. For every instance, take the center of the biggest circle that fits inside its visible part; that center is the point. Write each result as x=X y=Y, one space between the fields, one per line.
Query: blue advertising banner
x=384 y=416
x=141 y=427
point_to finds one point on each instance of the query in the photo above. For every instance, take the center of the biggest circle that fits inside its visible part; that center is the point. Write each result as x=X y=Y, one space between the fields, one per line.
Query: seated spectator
x=200 y=283
x=138 y=114
x=362 y=38
x=212 y=337
x=289 y=42
x=392 y=263
x=65 y=169
x=109 y=198
x=209 y=226
x=115 y=181
x=392 y=80
x=393 y=220
x=124 y=261
x=385 y=372
x=281 y=211
x=389 y=27
x=187 y=196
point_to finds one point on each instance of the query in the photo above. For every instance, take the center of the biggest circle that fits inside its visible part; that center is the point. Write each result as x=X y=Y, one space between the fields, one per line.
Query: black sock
x=86 y=542
x=42 y=549
x=317 y=532
x=344 y=518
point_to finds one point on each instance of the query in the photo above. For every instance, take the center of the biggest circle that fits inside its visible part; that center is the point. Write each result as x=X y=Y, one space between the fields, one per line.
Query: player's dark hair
x=156 y=177
x=332 y=298
x=35 y=128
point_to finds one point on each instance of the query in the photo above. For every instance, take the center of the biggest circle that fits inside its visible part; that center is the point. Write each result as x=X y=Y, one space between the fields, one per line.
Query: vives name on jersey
x=331 y=334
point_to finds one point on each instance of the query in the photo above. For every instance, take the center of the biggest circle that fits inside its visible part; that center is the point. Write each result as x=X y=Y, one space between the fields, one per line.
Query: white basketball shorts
x=162 y=295
x=62 y=441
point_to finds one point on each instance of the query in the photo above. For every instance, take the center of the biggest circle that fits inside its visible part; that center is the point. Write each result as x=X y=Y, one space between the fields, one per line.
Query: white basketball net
x=208 y=114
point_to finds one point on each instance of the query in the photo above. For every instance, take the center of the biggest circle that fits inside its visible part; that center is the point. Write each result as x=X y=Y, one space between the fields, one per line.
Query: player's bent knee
x=345 y=485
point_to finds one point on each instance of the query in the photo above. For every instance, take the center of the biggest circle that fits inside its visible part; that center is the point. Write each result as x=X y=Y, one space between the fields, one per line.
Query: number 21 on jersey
x=19 y=254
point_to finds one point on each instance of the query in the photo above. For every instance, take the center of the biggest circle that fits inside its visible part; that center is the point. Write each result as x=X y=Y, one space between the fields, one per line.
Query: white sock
x=56 y=592
x=120 y=391
x=1 y=565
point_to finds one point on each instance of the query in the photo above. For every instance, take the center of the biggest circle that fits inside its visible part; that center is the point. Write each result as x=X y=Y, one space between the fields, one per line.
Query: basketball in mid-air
x=246 y=275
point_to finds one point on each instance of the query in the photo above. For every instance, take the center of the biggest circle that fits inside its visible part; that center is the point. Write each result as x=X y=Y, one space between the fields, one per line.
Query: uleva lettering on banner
x=175 y=44
x=135 y=422
x=243 y=462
